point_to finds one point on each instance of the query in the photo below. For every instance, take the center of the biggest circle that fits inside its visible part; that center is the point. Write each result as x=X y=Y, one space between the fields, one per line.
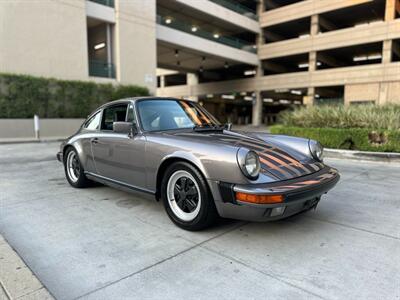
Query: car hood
x=277 y=160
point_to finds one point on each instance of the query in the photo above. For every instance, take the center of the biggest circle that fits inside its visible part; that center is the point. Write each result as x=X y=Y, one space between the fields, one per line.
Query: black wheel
x=186 y=197
x=74 y=170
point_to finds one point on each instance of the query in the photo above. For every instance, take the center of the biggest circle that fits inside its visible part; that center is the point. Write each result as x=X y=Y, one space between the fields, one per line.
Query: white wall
x=44 y=38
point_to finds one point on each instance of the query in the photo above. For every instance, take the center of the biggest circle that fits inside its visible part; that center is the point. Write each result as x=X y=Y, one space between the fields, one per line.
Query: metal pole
x=36 y=125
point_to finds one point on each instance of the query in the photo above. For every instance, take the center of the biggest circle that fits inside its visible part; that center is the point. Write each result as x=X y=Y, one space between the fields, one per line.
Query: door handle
x=94 y=140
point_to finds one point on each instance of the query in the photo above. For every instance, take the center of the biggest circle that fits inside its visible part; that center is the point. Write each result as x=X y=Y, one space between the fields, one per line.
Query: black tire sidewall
x=82 y=180
x=207 y=213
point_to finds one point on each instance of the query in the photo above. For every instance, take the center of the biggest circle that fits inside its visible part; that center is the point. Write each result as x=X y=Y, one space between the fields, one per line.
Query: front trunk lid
x=275 y=160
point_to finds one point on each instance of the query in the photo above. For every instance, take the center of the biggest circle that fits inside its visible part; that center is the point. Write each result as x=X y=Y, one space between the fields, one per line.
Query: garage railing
x=237 y=7
x=195 y=30
x=109 y=3
x=99 y=68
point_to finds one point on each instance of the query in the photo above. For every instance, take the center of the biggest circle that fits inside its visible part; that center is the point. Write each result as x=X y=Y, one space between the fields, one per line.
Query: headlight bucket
x=316 y=150
x=249 y=163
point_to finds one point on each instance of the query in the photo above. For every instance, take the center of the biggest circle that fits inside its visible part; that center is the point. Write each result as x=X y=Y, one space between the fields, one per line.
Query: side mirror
x=228 y=126
x=122 y=127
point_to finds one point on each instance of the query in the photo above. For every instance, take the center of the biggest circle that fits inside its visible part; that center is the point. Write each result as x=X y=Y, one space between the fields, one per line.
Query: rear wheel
x=186 y=197
x=74 y=170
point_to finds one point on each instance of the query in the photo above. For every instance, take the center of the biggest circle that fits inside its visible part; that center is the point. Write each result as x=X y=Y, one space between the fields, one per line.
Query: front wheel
x=74 y=170
x=186 y=197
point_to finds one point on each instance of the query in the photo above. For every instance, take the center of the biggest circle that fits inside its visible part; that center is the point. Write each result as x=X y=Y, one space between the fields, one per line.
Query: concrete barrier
x=24 y=128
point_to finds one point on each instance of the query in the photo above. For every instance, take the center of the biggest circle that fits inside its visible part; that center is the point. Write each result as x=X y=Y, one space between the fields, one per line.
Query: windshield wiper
x=208 y=127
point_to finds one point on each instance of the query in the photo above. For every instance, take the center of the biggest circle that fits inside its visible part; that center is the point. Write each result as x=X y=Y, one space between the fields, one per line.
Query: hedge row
x=351 y=138
x=342 y=116
x=23 y=96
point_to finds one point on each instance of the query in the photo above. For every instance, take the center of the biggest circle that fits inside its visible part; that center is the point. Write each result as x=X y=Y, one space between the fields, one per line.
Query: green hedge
x=350 y=138
x=341 y=116
x=23 y=96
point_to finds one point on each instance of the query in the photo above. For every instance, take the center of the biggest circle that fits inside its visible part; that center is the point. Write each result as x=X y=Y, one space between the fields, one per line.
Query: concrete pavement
x=100 y=243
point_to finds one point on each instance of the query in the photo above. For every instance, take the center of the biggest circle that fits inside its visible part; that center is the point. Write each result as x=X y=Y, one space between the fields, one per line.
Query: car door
x=89 y=130
x=119 y=156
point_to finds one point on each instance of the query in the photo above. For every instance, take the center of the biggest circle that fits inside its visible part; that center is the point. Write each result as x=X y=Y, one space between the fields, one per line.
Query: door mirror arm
x=133 y=130
x=228 y=126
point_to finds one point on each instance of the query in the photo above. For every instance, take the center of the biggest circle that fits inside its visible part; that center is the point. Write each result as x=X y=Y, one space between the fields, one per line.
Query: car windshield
x=159 y=115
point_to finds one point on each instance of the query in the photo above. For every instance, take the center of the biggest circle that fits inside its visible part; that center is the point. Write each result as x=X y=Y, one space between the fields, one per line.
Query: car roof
x=134 y=99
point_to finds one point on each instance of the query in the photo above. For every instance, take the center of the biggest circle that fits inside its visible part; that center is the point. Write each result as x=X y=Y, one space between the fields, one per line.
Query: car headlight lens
x=316 y=149
x=249 y=163
x=252 y=164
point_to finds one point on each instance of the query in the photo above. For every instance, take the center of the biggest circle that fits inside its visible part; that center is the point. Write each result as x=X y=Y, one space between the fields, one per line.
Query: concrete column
x=387 y=51
x=257 y=109
x=258 y=101
x=309 y=99
x=192 y=79
x=312 y=61
x=109 y=49
x=314 y=30
x=162 y=81
x=390 y=10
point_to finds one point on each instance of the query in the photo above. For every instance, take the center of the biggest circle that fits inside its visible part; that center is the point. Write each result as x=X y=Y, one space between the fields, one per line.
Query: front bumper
x=300 y=194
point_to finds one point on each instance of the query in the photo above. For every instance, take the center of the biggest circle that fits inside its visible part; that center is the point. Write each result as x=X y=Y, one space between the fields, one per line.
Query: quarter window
x=94 y=122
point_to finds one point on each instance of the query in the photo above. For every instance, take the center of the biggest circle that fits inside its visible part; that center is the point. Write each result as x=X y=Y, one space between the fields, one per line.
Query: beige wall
x=48 y=38
x=44 y=38
x=380 y=93
x=135 y=36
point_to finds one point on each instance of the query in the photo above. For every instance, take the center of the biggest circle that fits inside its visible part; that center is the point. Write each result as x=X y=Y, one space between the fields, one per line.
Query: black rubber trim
x=227 y=193
x=59 y=156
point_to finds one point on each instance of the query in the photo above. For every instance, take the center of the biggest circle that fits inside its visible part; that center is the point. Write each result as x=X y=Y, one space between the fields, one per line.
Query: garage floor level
x=100 y=243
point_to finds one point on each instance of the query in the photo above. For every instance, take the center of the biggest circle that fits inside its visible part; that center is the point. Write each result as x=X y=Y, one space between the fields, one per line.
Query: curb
x=31 y=140
x=17 y=281
x=362 y=155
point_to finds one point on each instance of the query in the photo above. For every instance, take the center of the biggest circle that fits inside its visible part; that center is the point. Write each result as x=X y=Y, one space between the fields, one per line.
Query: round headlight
x=249 y=163
x=252 y=164
x=316 y=149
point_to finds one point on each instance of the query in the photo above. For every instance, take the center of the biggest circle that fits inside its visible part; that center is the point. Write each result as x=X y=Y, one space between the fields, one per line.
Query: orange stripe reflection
x=191 y=113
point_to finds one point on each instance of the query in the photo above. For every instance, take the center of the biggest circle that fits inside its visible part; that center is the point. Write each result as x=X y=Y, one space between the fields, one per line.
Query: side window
x=131 y=114
x=94 y=122
x=116 y=113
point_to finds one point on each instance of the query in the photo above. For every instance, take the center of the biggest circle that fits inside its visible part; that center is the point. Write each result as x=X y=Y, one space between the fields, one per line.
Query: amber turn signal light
x=259 y=199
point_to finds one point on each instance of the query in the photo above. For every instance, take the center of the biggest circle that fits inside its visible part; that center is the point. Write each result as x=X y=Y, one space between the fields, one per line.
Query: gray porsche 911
x=174 y=150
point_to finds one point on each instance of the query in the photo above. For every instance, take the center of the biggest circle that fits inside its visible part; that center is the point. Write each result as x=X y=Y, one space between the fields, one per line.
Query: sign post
x=36 y=125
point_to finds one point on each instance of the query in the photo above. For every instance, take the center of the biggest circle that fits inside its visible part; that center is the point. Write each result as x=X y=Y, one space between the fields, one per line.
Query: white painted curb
x=362 y=155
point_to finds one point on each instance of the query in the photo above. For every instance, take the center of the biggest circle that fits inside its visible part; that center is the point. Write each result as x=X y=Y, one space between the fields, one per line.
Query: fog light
x=277 y=211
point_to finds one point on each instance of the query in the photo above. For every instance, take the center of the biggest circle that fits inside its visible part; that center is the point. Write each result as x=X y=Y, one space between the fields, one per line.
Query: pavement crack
x=162 y=261
x=264 y=273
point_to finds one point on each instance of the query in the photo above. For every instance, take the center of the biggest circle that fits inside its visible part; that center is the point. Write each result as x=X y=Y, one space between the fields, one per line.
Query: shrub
x=23 y=96
x=354 y=116
x=349 y=138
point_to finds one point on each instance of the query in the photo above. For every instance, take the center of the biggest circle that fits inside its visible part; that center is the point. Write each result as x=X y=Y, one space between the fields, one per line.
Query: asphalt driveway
x=100 y=243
